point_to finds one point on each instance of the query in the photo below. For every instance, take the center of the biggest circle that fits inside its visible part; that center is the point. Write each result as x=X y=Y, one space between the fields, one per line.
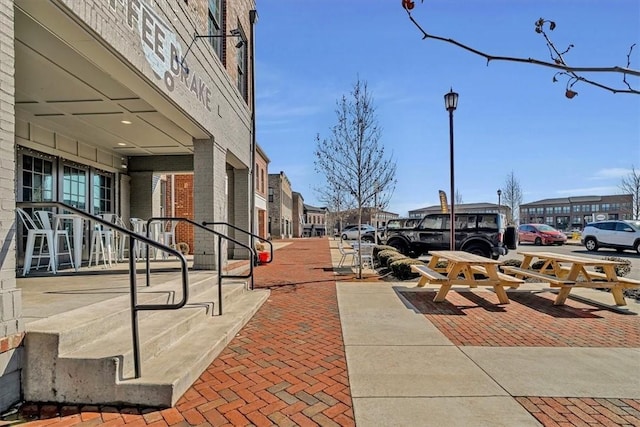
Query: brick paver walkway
x=286 y=367
x=531 y=319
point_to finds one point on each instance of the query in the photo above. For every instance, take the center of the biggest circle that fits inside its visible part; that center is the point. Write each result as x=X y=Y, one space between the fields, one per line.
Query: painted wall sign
x=161 y=48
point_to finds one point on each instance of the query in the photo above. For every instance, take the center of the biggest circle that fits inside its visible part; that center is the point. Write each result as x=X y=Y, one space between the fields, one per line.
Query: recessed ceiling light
x=122 y=144
x=126 y=122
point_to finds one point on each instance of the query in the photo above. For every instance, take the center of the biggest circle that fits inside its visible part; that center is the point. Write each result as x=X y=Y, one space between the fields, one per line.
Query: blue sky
x=510 y=117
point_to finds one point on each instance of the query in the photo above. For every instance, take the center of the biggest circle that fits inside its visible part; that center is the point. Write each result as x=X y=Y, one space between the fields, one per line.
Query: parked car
x=396 y=224
x=350 y=232
x=615 y=234
x=370 y=236
x=482 y=234
x=540 y=234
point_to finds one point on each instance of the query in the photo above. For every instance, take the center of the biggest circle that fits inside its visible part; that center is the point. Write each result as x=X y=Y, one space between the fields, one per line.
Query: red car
x=540 y=234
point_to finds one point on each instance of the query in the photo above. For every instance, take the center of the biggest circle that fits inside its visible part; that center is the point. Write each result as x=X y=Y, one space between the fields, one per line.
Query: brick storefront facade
x=110 y=95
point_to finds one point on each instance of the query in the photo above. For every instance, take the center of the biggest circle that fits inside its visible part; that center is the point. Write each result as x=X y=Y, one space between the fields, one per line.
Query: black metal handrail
x=255 y=236
x=133 y=237
x=220 y=237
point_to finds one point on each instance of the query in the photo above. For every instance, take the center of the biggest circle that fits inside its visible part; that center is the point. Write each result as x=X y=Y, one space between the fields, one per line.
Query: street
x=580 y=250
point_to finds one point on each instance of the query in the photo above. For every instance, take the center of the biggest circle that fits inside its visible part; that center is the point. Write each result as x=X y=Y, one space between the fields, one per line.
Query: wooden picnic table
x=564 y=271
x=461 y=270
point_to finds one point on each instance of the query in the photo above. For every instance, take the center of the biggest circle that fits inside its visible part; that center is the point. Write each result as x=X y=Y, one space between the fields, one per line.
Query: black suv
x=395 y=224
x=477 y=233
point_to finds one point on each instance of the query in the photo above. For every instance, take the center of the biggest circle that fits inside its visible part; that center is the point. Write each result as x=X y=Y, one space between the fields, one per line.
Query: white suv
x=350 y=232
x=618 y=235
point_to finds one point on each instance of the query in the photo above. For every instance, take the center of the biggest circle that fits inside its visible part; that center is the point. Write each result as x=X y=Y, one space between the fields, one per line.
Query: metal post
x=219 y=276
x=135 y=333
x=253 y=18
x=452 y=221
x=451 y=102
x=375 y=224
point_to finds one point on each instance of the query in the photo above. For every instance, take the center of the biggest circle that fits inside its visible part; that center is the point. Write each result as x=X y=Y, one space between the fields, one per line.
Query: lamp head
x=499 y=192
x=451 y=100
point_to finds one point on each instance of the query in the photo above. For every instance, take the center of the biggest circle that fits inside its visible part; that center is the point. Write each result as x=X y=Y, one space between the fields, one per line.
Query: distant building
x=567 y=213
x=298 y=214
x=315 y=221
x=370 y=216
x=261 y=172
x=280 y=205
x=463 y=208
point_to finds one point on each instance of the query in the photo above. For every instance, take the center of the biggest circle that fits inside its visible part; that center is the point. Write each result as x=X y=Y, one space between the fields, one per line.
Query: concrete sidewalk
x=329 y=349
x=525 y=363
x=404 y=371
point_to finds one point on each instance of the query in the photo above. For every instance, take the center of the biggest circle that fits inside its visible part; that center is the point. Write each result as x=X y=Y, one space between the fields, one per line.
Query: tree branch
x=558 y=61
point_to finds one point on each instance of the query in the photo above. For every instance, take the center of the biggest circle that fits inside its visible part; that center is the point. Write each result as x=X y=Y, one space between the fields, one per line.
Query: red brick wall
x=182 y=207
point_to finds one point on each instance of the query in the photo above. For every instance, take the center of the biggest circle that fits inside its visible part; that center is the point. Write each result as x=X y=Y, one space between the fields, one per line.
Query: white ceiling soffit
x=58 y=89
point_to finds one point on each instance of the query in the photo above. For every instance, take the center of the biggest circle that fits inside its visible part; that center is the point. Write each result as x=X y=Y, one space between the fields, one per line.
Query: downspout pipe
x=253 y=19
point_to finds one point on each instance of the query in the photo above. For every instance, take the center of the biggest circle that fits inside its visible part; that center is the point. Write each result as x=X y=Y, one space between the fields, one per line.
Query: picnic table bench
x=566 y=277
x=460 y=270
x=523 y=272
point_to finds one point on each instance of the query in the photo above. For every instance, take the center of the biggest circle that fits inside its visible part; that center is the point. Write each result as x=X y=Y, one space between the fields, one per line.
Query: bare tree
x=352 y=159
x=572 y=74
x=512 y=196
x=631 y=185
x=458 y=198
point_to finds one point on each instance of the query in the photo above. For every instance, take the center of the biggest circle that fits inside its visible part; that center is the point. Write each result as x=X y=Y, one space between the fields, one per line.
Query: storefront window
x=74 y=187
x=37 y=179
x=102 y=193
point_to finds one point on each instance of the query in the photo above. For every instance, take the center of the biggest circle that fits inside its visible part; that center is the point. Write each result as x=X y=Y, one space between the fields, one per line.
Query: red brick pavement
x=531 y=320
x=287 y=366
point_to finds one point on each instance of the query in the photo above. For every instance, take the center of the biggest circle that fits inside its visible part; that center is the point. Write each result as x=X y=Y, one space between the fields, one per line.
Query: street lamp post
x=376 y=189
x=451 y=102
x=499 y=205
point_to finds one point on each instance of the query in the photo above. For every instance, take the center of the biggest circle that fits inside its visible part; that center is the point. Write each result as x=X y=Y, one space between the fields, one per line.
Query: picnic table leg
x=562 y=295
x=423 y=281
x=433 y=262
x=501 y=293
x=575 y=271
x=526 y=262
x=557 y=269
x=442 y=293
x=468 y=275
x=546 y=265
x=618 y=295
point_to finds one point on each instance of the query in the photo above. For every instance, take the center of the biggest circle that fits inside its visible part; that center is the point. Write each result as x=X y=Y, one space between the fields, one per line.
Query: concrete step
x=77 y=327
x=157 y=330
x=95 y=364
x=164 y=378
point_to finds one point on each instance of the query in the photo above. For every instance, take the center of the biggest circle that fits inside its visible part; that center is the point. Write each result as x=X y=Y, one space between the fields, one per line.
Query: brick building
x=567 y=213
x=178 y=200
x=298 y=214
x=369 y=216
x=100 y=98
x=261 y=178
x=315 y=221
x=463 y=208
x=280 y=204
